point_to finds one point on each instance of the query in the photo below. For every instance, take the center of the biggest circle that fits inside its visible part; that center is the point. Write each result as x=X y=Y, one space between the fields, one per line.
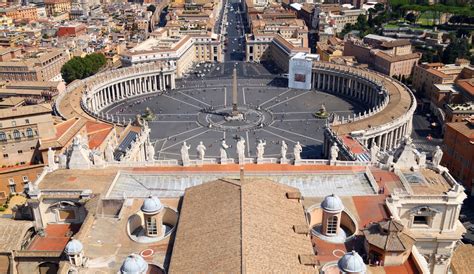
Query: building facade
x=386 y=55
x=20 y=131
x=44 y=65
x=458 y=147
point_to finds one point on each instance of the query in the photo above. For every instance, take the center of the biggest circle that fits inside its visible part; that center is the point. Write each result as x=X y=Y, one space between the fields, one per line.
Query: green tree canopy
x=457 y=48
x=151 y=8
x=80 y=68
x=411 y=17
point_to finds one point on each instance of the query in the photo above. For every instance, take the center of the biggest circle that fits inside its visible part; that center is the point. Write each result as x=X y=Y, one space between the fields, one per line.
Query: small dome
x=352 y=262
x=332 y=203
x=74 y=247
x=134 y=264
x=151 y=205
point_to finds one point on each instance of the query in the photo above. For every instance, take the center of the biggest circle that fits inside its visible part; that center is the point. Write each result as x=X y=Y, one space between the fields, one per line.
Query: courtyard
x=195 y=112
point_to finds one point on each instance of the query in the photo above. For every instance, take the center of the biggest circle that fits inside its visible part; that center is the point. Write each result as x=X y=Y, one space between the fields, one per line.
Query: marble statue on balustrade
x=109 y=152
x=422 y=159
x=241 y=150
x=261 y=149
x=406 y=155
x=62 y=161
x=150 y=155
x=51 y=161
x=437 y=156
x=223 y=152
x=334 y=152
x=80 y=154
x=97 y=157
x=185 y=154
x=374 y=151
x=201 y=150
x=297 y=149
x=283 y=151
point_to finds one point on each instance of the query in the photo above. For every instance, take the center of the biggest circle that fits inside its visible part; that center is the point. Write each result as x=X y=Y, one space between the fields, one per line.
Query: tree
x=80 y=68
x=151 y=8
x=411 y=17
x=379 y=7
x=457 y=48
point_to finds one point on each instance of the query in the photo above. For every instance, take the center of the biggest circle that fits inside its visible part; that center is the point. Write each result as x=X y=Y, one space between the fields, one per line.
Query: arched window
x=29 y=132
x=3 y=136
x=151 y=226
x=16 y=134
x=331 y=225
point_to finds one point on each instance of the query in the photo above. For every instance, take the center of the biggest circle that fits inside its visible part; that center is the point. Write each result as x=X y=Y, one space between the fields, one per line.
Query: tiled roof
x=389 y=236
x=462 y=261
x=229 y=227
x=25 y=110
x=55 y=239
x=467 y=85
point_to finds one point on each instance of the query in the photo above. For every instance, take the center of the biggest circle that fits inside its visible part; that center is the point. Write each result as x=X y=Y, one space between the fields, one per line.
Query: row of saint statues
x=240 y=150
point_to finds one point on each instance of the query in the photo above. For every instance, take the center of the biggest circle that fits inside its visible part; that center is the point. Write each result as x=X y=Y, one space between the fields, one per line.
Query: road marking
x=243 y=92
x=198 y=107
x=271 y=99
x=285 y=138
x=180 y=142
x=176 y=114
x=159 y=151
x=296 y=112
x=194 y=99
x=289 y=99
x=187 y=131
x=248 y=143
x=124 y=114
x=299 y=120
x=225 y=97
x=154 y=121
x=297 y=134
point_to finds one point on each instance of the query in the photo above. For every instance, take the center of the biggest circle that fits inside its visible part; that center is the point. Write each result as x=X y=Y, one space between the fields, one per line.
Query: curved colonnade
x=390 y=105
x=105 y=89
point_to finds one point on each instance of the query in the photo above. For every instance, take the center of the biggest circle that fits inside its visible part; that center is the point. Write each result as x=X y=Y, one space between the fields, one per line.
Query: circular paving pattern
x=221 y=118
x=201 y=111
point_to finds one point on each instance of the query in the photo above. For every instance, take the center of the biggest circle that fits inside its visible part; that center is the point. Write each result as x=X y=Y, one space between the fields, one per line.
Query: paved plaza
x=195 y=111
x=133 y=185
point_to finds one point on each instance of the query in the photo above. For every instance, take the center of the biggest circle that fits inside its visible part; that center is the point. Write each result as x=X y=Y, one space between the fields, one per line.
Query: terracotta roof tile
x=229 y=226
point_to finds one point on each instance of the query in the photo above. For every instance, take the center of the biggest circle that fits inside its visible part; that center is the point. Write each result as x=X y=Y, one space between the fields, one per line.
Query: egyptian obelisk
x=235 y=111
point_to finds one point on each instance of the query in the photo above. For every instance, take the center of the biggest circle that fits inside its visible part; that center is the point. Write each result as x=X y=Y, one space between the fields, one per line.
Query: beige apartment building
x=276 y=35
x=43 y=65
x=332 y=48
x=55 y=7
x=271 y=47
x=20 y=131
x=339 y=18
x=427 y=75
x=18 y=12
x=393 y=57
x=183 y=51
